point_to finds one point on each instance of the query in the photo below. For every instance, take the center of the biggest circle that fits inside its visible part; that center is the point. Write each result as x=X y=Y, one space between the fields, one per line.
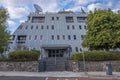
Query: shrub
x=96 y=56
x=24 y=55
x=76 y=56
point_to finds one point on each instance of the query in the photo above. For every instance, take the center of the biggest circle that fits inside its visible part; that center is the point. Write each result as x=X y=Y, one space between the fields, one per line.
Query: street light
x=83 y=61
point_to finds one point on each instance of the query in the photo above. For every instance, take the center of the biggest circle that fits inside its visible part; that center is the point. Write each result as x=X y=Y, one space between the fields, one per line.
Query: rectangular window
x=84 y=27
x=80 y=27
x=73 y=27
x=35 y=37
x=41 y=37
x=63 y=37
x=57 y=18
x=52 y=18
x=36 y=27
x=68 y=27
x=26 y=27
x=69 y=37
x=52 y=27
x=76 y=49
x=32 y=27
x=74 y=37
x=52 y=37
x=47 y=27
x=69 y=19
x=82 y=37
x=58 y=37
x=81 y=19
x=38 y=19
x=42 y=27
x=29 y=37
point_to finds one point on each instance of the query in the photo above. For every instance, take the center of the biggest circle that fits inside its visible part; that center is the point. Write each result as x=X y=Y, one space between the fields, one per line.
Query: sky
x=19 y=9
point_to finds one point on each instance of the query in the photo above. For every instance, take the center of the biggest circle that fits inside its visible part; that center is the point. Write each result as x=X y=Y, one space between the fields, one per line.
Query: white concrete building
x=54 y=34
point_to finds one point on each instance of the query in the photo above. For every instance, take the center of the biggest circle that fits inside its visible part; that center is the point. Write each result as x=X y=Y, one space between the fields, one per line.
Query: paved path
x=59 y=74
x=55 y=78
x=82 y=78
x=63 y=75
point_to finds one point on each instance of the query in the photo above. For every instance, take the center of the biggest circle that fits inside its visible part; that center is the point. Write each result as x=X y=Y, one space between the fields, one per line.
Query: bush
x=24 y=55
x=97 y=56
x=77 y=56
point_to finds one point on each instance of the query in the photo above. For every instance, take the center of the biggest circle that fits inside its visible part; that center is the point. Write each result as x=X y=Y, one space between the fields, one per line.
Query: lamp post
x=83 y=61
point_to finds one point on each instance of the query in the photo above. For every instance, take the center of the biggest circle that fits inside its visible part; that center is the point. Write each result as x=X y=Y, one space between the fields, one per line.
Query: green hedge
x=96 y=56
x=24 y=55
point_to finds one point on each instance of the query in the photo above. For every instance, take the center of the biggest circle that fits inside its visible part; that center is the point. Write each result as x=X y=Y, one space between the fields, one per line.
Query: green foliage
x=103 y=30
x=97 y=56
x=76 y=56
x=24 y=55
x=4 y=36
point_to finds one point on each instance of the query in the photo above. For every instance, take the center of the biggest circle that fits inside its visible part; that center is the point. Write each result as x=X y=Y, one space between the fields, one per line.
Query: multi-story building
x=54 y=34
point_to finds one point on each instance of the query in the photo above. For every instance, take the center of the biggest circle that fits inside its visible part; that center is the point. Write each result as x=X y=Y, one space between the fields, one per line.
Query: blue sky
x=19 y=9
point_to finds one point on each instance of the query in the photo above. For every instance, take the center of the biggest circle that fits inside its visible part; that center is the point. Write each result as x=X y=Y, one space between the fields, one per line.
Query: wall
x=72 y=65
x=93 y=65
x=19 y=66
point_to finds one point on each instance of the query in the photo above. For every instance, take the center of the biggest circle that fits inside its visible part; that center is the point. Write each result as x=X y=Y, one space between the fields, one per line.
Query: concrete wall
x=19 y=66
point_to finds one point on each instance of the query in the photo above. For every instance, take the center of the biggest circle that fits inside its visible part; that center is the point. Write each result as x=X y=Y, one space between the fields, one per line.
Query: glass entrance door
x=55 y=53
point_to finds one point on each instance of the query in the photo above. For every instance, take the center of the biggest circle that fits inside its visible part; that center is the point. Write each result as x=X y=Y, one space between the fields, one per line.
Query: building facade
x=54 y=34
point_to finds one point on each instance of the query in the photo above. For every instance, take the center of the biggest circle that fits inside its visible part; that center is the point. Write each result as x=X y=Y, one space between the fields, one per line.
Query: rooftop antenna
x=37 y=8
x=83 y=11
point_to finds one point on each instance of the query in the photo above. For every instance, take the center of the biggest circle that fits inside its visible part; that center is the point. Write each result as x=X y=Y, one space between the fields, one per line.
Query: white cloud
x=47 y=5
x=21 y=21
x=97 y=6
x=11 y=23
x=17 y=12
x=83 y=2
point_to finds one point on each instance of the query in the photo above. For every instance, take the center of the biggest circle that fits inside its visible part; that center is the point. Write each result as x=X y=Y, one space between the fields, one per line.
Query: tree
x=4 y=36
x=103 y=30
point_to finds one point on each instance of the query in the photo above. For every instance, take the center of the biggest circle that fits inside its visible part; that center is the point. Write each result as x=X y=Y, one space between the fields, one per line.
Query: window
x=58 y=37
x=29 y=37
x=80 y=27
x=69 y=19
x=35 y=37
x=69 y=37
x=42 y=27
x=52 y=37
x=26 y=27
x=32 y=27
x=38 y=19
x=36 y=27
x=63 y=37
x=52 y=27
x=81 y=19
x=74 y=37
x=68 y=27
x=52 y=18
x=47 y=27
x=82 y=37
x=73 y=27
x=80 y=50
x=76 y=48
x=84 y=27
x=41 y=37
x=57 y=18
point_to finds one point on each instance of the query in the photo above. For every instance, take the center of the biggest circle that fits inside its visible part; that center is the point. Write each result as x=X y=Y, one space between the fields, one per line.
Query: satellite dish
x=37 y=8
x=82 y=10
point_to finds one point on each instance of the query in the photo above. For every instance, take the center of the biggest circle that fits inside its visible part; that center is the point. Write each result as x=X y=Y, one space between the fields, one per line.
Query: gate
x=52 y=64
